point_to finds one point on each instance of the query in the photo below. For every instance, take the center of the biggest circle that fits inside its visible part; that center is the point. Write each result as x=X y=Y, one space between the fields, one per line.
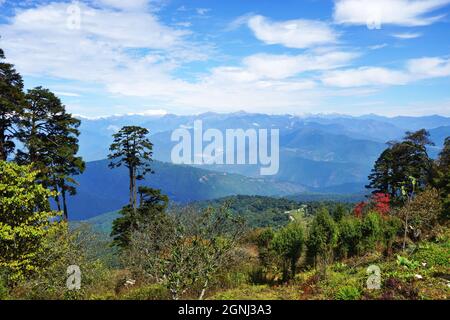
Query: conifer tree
x=50 y=138
x=399 y=162
x=132 y=149
x=11 y=102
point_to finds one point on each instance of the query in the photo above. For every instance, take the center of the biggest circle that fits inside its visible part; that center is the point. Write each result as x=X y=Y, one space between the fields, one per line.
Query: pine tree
x=382 y=174
x=401 y=161
x=442 y=180
x=11 y=102
x=50 y=138
x=133 y=149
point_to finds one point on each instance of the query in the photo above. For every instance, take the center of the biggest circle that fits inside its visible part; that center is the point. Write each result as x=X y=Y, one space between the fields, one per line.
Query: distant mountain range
x=319 y=153
x=96 y=133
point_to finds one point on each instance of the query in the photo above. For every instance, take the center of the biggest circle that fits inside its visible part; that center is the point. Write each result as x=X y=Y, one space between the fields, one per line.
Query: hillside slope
x=104 y=190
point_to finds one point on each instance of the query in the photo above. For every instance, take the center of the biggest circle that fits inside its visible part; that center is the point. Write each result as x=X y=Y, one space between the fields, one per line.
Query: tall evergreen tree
x=401 y=161
x=133 y=149
x=11 y=102
x=420 y=165
x=444 y=156
x=442 y=179
x=381 y=176
x=65 y=166
x=50 y=138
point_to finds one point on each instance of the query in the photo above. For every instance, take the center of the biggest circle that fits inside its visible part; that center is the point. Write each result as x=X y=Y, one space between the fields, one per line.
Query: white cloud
x=396 y=12
x=429 y=67
x=239 y=21
x=107 y=51
x=125 y=5
x=378 y=46
x=258 y=96
x=130 y=53
x=66 y=94
x=185 y=24
x=415 y=70
x=406 y=35
x=284 y=66
x=292 y=33
x=202 y=11
x=262 y=82
x=112 y=47
x=364 y=76
x=273 y=73
x=129 y=29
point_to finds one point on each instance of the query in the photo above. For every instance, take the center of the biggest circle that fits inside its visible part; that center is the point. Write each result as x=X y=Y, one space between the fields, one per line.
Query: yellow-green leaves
x=25 y=219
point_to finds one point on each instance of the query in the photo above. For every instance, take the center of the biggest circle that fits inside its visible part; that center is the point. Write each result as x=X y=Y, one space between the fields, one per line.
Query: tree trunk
x=406 y=231
x=202 y=294
x=293 y=267
x=406 y=224
x=31 y=148
x=2 y=146
x=65 y=213
x=134 y=191
x=323 y=268
x=131 y=176
x=53 y=188
x=58 y=202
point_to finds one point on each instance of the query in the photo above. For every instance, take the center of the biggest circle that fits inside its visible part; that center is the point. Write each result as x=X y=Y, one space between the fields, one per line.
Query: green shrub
x=62 y=249
x=265 y=237
x=349 y=236
x=423 y=212
x=405 y=262
x=434 y=255
x=323 y=237
x=288 y=244
x=348 y=293
x=371 y=231
x=232 y=278
x=391 y=227
x=3 y=290
x=340 y=267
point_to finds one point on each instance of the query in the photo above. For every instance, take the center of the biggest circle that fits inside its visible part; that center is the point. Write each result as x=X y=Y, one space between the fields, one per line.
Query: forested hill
x=257 y=211
x=104 y=190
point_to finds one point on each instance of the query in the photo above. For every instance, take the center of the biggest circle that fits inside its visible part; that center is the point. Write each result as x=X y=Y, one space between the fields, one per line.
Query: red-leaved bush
x=381 y=202
x=358 y=210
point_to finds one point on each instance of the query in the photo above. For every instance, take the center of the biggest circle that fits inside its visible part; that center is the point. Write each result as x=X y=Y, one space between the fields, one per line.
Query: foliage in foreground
x=26 y=221
x=184 y=253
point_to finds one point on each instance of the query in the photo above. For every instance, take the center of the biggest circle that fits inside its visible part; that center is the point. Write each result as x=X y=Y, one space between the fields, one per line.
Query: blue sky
x=105 y=57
